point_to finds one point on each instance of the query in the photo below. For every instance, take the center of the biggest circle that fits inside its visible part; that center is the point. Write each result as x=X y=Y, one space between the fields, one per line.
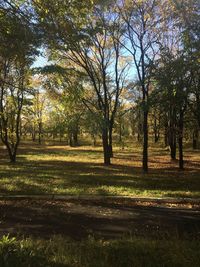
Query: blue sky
x=40 y=61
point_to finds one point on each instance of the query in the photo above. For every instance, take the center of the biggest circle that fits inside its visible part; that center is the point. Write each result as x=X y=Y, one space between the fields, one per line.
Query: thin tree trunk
x=33 y=136
x=12 y=152
x=106 y=149
x=145 y=140
x=156 y=130
x=94 y=140
x=172 y=141
x=195 y=139
x=75 y=138
x=39 y=133
x=173 y=148
x=33 y=133
x=60 y=134
x=110 y=142
x=166 y=135
x=120 y=131
x=180 y=142
x=70 y=140
x=156 y=137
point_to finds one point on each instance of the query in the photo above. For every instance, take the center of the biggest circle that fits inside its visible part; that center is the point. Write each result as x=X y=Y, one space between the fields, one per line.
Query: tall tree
x=17 y=49
x=92 y=44
x=142 y=20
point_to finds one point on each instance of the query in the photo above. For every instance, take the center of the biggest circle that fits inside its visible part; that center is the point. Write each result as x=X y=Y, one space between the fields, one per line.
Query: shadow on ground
x=105 y=219
x=40 y=170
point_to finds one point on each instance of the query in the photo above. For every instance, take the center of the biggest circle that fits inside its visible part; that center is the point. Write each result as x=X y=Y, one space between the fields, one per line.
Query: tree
x=17 y=50
x=91 y=44
x=37 y=110
x=174 y=86
x=63 y=85
x=190 y=20
x=142 y=20
x=91 y=125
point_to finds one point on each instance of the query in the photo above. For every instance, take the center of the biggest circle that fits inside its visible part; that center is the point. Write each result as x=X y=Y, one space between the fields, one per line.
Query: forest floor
x=121 y=231
x=59 y=169
x=105 y=218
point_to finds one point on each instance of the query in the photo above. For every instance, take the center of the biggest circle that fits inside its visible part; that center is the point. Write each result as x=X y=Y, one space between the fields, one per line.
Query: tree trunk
x=156 y=131
x=138 y=137
x=33 y=136
x=39 y=138
x=180 y=142
x=173 y=149
x=120 y=131
x=33 y=133
x=60 y=136
x=12 y=152
x=195 y=139
x=13 y=157
x=106 y=149
x=156 y=137
x=145 y=139
x=172 y=142
x=75 y=138
x=110 y=142
x=94 y=140
x=166 y=135
x=20 y=128
x=39 y=133
x=70 y=140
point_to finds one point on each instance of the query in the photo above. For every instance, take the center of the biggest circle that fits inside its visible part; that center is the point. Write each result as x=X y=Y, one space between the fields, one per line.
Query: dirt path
x=111 y=218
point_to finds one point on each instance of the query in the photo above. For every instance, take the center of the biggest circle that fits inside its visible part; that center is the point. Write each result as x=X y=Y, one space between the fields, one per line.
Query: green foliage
x=19 y=40
x=18 y=47
x=20 y=254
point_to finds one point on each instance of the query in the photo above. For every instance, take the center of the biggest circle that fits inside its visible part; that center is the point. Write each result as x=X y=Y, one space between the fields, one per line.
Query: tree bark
x=120 y=131
x=70 y=140
x=173 y=147
x=13 y=157
x=195 y=139
x=106 y=149
x=166 y=135
x=60 y=134
x=40 y=133
x=145 y=140
x=12 y=151
x=180 y=142
x=75 y=138
x=110 y=141
x=156 y=130
x=156 y=137
x=172 y=140
x=33 y=136
x=94 y=140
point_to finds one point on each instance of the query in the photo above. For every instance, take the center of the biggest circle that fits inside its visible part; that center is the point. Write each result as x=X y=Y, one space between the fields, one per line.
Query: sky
x=40 y=61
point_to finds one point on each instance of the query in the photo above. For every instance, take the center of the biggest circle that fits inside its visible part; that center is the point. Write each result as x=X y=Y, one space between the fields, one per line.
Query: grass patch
x=132 y=252
x=77 y=171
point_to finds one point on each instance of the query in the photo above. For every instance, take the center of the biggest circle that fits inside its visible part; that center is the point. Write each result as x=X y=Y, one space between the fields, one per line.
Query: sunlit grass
x=78 y=171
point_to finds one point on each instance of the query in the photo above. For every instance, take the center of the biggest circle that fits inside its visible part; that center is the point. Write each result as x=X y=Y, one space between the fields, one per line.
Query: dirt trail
x=109 y=218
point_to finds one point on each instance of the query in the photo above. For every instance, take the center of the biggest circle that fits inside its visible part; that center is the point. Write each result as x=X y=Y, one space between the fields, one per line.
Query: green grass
x=77 y=171
x=132 y=252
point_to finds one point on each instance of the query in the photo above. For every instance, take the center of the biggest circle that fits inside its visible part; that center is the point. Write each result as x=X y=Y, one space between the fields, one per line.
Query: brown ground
x=102 y=218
